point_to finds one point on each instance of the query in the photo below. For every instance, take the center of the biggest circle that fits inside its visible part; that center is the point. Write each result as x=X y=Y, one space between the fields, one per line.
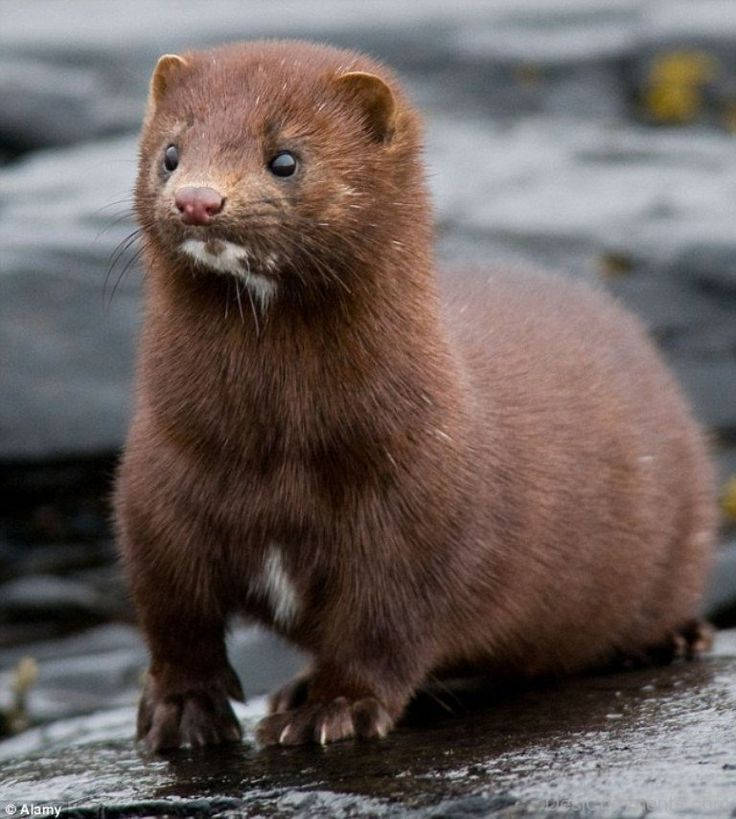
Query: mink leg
x=291 y=695
x=185 y=699
x=335 y=702
x=688 y=642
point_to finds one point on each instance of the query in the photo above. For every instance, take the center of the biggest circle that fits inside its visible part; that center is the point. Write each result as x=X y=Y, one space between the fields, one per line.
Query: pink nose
x=198 y=205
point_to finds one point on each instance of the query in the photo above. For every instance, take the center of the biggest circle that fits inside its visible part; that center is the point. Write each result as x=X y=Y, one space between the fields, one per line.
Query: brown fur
x=503 y=475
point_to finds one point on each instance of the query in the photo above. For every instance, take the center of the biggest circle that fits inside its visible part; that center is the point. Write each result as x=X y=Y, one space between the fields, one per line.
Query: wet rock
x=619 y=187
x=711 y=385
x=102 y=667
x=68 y=344
x=99 y=639
x=55 y=503
x=694 y=327
x=262 y=660
x=47 y=102
x=721 y=595
x=608 y=745
x=712 y=267
x=726 y=460
x=553 y=57
x=39 y=606
x=48 y=596
x=62 y=558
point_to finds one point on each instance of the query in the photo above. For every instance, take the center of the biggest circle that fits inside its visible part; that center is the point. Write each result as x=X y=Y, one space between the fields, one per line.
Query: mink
x=403 y=476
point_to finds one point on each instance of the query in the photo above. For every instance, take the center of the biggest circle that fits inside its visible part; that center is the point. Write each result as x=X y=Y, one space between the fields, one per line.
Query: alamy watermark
x=33 y=809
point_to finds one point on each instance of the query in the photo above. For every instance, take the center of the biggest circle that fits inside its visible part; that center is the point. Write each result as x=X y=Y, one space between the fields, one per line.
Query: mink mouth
x=216 y=240
x=222 y=256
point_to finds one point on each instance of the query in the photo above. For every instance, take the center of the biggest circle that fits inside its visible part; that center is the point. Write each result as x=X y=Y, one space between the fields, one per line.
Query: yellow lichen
x=15 y=719
x=728 y=500
x=25 y=675
x=673 y=92
x=613 y=264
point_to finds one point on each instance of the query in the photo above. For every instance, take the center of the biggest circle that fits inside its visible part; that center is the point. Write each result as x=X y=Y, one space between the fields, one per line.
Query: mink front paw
x=290 y=696
x=325 y=722
x=195 y=718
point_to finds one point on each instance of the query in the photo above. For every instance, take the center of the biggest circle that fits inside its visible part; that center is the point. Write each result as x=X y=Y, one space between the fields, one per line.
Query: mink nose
x=198 y=205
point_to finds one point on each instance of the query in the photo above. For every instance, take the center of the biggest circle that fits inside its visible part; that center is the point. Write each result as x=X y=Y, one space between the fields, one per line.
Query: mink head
x=292 y=166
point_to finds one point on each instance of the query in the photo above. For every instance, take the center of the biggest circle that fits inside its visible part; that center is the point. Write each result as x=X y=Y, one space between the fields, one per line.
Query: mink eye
x=283 y=164
x=171 y=158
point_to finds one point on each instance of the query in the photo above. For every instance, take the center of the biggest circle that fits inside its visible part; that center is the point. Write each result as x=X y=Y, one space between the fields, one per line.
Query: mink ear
x=375 y=99
x=167 y=68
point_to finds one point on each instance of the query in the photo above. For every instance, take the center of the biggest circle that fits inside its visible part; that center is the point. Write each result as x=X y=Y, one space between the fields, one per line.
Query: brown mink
x=401 y=481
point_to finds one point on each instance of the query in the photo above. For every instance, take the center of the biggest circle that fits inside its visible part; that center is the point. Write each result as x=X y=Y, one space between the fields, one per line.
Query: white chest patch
x=275 y=585
x=227 y=257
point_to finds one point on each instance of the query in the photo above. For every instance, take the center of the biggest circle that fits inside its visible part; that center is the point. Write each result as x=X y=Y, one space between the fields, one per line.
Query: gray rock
x=39 y=594
x=606 y=745
x=81 y=29
x=697 y=333
x=618 y=186
x=262 y=660
x=108 y=637
x=45 y=102
x=711 y=385
x=726 y=461
x=61 y=558
x=77 y=74
x=67 y=344
x=674 y=312
x=102 y=667
x=720 y=598
x=42 y=606
x=711 y=267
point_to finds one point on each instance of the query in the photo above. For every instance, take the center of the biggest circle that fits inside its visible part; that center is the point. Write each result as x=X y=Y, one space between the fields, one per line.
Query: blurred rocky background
x=593 y=137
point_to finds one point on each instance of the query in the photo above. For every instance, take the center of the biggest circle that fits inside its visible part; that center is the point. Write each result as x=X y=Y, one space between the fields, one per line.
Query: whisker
x=435 y=696
x=133 y=259
x=118 y=252
x=128 y=200
x=250 y=297
x=328 y=273
x=240 y=303
x=116 y=221
x=253 y=309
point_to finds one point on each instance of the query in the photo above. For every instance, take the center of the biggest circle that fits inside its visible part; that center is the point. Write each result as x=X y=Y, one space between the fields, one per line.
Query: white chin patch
x=227 y=257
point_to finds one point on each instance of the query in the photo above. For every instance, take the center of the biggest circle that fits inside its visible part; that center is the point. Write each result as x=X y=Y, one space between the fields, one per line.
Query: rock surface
x=654 y=742
x=102 y=667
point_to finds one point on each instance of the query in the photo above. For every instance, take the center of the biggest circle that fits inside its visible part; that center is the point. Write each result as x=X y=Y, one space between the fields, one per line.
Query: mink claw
x=323 y=723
